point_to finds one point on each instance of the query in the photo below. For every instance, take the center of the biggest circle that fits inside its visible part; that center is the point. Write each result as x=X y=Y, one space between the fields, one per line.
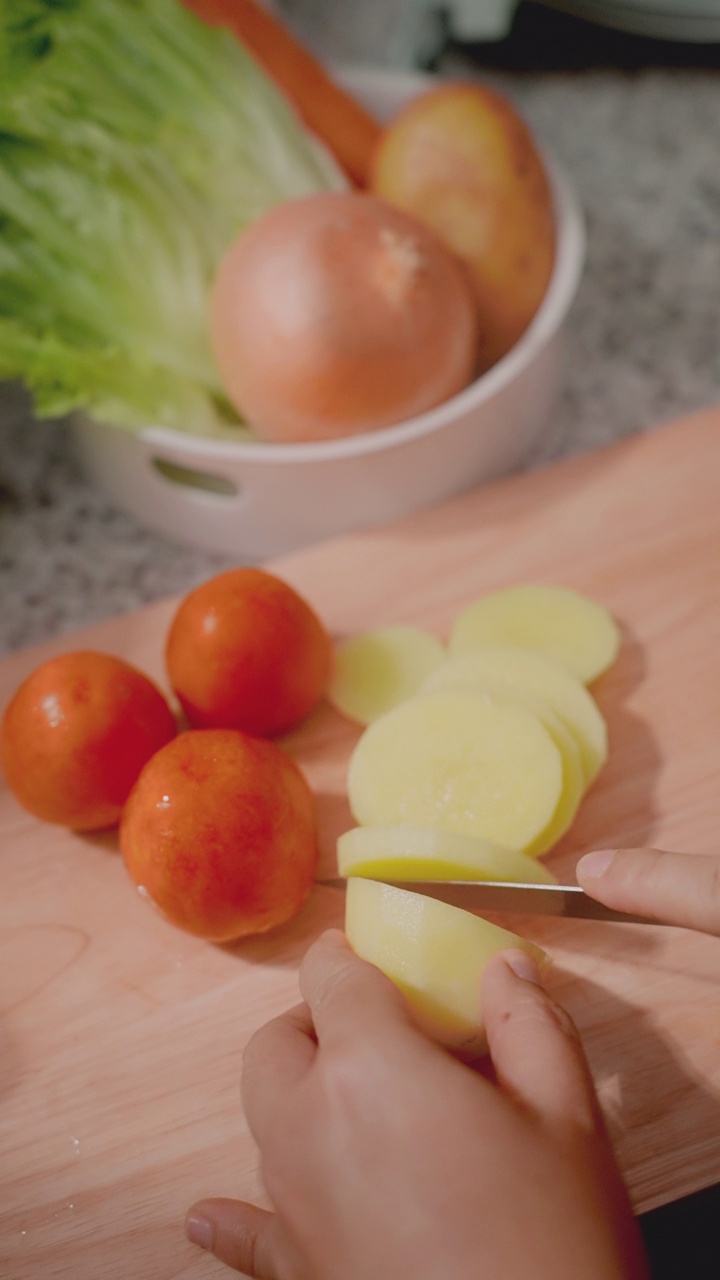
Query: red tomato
x=76 y=735
x=245 y=651
x=219 y=832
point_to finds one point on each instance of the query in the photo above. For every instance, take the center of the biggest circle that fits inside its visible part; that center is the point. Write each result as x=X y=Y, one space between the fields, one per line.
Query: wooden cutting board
x=121 y=1037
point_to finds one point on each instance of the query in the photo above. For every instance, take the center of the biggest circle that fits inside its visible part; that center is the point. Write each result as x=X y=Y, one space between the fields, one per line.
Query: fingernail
x=595 y=864
x=199 y=1230
x=522 y=965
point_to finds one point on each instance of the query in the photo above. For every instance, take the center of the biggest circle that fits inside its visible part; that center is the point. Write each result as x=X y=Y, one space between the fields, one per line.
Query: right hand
x=385 y=1156
x=679 y=888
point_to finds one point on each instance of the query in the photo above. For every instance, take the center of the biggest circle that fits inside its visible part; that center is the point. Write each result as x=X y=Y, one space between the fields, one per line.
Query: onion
x=336 y=314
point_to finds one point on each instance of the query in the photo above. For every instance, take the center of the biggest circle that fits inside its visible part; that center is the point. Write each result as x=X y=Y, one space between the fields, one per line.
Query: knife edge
x=510 y=898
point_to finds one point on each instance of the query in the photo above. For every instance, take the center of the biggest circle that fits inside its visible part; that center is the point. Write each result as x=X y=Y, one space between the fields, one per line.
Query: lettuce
x=135 y=144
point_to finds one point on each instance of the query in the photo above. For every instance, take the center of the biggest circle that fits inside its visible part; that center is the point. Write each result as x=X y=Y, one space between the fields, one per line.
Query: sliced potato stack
x=458 y=760
x=528 y=674
x=472 y=765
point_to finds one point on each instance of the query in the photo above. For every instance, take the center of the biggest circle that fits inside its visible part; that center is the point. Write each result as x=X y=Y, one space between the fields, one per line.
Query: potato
x=407 y=853
x=525 y=671
x=573 y=786
x=454 y=760
x=376 y=670
x=576 y=631
x=433 y=952
x=461 y=160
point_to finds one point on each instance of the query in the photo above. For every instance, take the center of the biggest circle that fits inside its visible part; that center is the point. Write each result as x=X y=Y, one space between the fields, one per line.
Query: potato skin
x=462 y=160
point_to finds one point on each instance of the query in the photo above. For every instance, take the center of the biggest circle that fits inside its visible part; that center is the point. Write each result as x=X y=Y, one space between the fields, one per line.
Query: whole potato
x=461 y=160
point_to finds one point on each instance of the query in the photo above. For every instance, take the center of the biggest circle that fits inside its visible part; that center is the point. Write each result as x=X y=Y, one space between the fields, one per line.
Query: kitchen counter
x=639 y=141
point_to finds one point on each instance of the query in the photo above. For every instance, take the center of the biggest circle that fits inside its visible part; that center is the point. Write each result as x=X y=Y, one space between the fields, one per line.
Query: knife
x=567 y=900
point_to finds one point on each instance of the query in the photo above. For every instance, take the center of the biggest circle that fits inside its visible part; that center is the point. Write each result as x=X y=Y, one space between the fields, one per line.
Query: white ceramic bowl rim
x=547 y=320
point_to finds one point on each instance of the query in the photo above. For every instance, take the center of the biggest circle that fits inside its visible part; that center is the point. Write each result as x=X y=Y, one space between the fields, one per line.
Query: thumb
x=680 y=888
x=534 y=1045
x=246 y=1238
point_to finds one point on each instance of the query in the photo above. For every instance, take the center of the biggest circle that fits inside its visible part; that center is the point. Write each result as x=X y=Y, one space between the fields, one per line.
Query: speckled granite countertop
x=640 y=143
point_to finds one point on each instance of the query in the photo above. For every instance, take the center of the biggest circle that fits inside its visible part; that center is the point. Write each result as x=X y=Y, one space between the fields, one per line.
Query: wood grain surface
x=121 y=1038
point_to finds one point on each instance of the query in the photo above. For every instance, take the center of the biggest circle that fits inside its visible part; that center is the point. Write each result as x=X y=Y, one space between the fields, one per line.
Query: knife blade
x=509 y=898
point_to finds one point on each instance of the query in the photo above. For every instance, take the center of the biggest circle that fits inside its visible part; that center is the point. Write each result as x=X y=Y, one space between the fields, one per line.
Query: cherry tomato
x=245 y=651
x=76 y=735
x=219 y=832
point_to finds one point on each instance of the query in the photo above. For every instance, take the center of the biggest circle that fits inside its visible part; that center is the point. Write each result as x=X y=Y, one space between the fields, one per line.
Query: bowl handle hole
x=193 y=479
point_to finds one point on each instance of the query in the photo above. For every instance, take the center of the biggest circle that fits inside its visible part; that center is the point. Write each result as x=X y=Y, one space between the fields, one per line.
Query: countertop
x=635 y=124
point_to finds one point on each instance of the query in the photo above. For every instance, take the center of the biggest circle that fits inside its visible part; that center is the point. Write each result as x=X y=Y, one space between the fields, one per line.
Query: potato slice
x=454 y=760
x=525 y=671
x=566 y=626
x=573 y=787
x=433 y=952
x=376 y=670
x=409 y=853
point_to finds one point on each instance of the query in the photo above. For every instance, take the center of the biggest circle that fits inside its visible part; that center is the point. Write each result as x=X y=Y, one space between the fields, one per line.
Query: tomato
x=76 y=735
x=219 y=832
x=245 y=651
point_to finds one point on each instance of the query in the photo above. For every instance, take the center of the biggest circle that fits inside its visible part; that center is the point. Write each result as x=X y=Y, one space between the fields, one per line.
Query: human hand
x=386 y=1157
x=682 y=888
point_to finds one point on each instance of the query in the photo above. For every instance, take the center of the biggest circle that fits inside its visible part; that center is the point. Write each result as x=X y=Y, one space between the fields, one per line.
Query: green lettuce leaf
x=136 y=143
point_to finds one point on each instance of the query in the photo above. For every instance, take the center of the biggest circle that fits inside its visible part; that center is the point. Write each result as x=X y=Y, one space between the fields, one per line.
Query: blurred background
x=411 y=31
x=632 y=112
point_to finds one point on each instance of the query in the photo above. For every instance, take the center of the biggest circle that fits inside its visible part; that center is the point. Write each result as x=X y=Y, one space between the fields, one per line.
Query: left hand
x=385 y=1156
x=680 y=888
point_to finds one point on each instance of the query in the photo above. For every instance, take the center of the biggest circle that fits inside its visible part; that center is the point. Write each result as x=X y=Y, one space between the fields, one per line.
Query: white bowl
x=255 y=501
